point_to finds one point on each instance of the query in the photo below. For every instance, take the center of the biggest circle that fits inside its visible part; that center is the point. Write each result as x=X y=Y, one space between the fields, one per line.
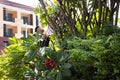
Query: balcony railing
x=9 y=34
x=10 y=19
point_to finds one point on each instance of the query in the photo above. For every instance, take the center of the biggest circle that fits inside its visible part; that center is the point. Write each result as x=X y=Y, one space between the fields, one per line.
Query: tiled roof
x=14 y=4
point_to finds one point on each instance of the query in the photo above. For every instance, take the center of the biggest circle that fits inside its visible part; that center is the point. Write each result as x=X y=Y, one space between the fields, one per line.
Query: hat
x=39 y=28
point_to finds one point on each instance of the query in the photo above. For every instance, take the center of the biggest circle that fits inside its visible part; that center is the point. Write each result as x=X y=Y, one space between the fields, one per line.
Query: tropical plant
x=47 y=63
x=12 y=63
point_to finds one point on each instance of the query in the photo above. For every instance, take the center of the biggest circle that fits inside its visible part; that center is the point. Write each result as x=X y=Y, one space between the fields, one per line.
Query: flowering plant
x=46 y=63
x=50 y=63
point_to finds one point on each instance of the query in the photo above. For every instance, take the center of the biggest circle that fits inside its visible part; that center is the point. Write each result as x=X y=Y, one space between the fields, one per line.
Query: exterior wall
x=1 y=13
x=12 y=12
x=1 y=30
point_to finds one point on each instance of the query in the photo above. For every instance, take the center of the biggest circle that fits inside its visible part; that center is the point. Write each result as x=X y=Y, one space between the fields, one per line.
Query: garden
x=85 y=44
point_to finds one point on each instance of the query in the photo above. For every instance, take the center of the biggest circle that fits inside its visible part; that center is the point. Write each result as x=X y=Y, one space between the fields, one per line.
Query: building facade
x=15 y=20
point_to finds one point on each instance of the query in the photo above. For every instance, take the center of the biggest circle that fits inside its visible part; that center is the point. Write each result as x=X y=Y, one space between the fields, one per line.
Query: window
x=24 y=33
x=5 y=43
x=25 y=19
x=9 y=17
x=31 y=19
x=9 y=33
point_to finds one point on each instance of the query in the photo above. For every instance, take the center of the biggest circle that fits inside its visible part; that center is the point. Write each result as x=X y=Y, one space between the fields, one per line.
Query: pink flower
x=50 y=63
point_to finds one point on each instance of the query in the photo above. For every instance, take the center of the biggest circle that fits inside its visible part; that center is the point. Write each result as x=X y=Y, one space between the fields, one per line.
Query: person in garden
x=44 y=41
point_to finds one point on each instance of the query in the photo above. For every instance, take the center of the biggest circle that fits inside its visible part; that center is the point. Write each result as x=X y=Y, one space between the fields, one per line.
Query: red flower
x=50 y=63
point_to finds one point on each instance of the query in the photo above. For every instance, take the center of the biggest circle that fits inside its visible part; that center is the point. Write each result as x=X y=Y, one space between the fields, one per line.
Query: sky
x=32 y=3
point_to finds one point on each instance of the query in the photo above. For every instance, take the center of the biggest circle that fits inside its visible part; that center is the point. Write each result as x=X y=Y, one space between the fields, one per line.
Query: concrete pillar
x=34 y=22
x=18 y=22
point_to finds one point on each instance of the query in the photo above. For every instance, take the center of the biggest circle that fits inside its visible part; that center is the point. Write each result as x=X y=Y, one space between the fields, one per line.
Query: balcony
x=27 y=19
x=9 y=17
x=9 y=31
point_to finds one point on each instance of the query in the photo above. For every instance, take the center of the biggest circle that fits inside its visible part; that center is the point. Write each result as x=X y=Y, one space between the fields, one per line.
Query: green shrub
x=95 y=58
x=76 y=59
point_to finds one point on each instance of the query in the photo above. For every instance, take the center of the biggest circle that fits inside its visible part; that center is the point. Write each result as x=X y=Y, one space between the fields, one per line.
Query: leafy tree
x=82 y=18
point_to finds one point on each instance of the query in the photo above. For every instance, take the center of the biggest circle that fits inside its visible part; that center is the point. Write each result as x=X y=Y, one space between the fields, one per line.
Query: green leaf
x=30 y=55
x=66 y=72
x=66 y=65
x=59 y=76
x=50 y=78
x=58 y=56
x=50 y=53
x=64 y=57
